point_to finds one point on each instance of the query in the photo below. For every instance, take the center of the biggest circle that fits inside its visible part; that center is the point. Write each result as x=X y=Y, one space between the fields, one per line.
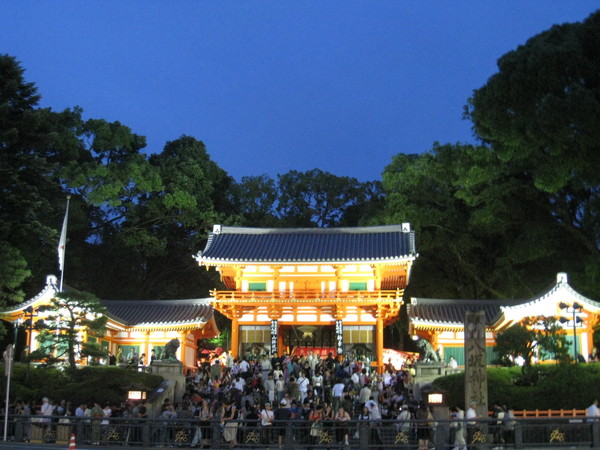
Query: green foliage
x=482 y=231
x=31 y=143
x=534 y=335
x=68 y=315
x=565 y=386
x=317 y=198
x=540 y=113
x=514 y=341
x=103 y=384
x=13 y=272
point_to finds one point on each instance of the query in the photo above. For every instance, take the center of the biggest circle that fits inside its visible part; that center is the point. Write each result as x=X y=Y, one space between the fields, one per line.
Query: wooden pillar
x=379 y=343
x=238 y=278
x=182 y=338
x=338 y=278
x=147 y=349
x=377 y=275
x=235 y=337
x=276 y=279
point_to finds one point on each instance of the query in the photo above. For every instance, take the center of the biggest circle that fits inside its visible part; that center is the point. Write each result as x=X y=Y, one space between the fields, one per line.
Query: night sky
x=272 y=86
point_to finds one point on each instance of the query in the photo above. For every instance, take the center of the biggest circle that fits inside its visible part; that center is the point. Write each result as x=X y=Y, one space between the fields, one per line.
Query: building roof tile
x=308 y=245
x=163 y=312
x=452 y=312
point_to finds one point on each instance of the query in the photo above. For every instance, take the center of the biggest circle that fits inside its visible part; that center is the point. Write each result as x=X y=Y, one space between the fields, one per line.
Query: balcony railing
x=307 y=296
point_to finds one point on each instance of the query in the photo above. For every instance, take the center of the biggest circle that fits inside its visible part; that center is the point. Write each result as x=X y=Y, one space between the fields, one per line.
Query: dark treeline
x=497 y=219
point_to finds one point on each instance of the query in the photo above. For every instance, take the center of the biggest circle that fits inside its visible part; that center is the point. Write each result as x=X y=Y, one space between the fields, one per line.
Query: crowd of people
x=322 y=396
x=262 y=401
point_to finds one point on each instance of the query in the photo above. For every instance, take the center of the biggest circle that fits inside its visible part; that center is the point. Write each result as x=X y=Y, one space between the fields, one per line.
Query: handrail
x=317 y=296
x=549 y=413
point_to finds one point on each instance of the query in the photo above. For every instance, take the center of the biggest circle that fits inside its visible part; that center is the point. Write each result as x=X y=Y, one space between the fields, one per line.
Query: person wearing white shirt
x=364 y=395
x=302 y=387
x=269 y=385
x=472 y=425
x=317 y=382
x=266 y=421
x=239 y=383
x=592 y=412
x=337 y=391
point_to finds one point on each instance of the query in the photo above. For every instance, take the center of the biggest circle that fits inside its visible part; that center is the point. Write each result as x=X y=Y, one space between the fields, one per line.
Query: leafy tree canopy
x=69 y=316
x=540 y=114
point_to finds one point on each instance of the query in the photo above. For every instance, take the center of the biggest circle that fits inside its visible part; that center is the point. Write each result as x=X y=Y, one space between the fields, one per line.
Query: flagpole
x=62 y=244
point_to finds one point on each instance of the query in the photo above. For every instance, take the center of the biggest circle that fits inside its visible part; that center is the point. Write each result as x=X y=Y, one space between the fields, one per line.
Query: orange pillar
x=183 y=340
x=235 y=337
x=379 y=343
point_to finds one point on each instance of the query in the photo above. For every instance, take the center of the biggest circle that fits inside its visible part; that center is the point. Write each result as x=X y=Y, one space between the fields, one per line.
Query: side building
x=133 y=326
x=441 y=321
x=322 y=289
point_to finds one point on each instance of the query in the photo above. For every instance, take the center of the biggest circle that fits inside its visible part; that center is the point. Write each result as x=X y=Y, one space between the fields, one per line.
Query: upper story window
x=357 y=286
x=257 y=286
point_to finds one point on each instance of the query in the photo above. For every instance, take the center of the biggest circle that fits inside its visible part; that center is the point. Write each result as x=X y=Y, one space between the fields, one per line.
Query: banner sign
x=274 y=330
x=339 y=337
x=321 y=352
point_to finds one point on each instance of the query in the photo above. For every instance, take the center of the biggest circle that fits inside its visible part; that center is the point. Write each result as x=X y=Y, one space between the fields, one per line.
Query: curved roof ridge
x=230 y=245
x=185 y=301
x=225 y=229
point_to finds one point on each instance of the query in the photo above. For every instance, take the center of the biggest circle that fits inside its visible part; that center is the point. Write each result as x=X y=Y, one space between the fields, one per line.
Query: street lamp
x=572 y=309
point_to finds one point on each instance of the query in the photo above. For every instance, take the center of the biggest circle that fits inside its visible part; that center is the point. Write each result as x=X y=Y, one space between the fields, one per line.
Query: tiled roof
x=163 y=312
x=452 y=312
x=254 y=245
x=447 y=312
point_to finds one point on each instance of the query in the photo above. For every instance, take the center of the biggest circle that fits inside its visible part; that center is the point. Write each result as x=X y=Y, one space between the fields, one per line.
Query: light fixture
x=136 y=395
x=435 y=398
x=576 y=320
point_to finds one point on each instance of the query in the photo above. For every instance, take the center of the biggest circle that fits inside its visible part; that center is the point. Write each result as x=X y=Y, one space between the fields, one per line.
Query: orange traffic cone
x=72 y=445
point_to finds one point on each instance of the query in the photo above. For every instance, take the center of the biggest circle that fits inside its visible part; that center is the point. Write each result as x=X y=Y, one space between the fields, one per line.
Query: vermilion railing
x=540 y=413
x=312 y=296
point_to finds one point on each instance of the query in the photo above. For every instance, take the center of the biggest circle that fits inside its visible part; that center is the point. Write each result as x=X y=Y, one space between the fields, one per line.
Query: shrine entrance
x=314 y=336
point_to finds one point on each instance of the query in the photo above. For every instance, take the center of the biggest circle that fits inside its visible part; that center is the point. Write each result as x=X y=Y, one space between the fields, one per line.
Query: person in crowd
x=424 y=418
x=592 y=412
x=342 y=422
x=229 y=417
x=457 y=426
x=508 y=425
x=282 y=417
x=316 y=424
x=267 y=418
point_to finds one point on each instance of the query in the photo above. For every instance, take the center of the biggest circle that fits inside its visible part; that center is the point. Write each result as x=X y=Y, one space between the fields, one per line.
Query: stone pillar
x=475 y=362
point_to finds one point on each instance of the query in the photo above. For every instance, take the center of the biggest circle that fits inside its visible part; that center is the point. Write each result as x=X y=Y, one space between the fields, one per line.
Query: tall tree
x=70 y=316
x=540 y=113
x=156 y=232
x=34 y=143
x=317 y=198
x=483 y=231
x=257 y=197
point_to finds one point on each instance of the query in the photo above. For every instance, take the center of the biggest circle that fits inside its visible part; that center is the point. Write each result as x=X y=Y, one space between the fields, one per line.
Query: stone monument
x=476 y=366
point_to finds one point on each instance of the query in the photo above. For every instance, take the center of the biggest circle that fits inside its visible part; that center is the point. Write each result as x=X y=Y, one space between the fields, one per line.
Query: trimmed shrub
x=567 y=386
x=105 y=384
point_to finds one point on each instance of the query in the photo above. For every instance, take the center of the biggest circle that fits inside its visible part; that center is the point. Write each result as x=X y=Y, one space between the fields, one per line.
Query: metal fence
x=526 y=433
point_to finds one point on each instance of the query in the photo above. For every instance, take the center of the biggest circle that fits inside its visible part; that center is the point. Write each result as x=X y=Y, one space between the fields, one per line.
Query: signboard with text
x=339 y=337
x=274 y=329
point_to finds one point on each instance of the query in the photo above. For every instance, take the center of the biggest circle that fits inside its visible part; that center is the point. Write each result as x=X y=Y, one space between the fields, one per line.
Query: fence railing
x=374 y=434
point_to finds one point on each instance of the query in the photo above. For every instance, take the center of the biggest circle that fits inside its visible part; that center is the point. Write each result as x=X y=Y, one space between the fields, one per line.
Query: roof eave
x=230 y=262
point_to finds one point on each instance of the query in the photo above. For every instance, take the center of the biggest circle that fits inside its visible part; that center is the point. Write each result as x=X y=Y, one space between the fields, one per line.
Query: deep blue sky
x=272 y=86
